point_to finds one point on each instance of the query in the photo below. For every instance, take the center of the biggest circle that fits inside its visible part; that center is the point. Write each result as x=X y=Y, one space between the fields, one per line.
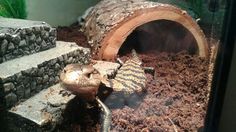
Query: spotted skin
x=130 y=77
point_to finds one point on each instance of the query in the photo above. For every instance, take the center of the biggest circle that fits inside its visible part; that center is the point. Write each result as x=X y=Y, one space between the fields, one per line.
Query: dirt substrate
x=175 y=101
x=72 y=34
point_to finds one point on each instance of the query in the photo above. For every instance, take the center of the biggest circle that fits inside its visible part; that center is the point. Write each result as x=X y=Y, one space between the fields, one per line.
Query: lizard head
x=82 y=80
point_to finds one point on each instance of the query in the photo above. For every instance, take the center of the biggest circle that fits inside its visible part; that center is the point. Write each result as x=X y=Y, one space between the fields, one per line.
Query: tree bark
x=110 y=22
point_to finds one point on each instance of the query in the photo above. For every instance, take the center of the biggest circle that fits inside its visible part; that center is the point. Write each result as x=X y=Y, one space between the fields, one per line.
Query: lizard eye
x=89 y=75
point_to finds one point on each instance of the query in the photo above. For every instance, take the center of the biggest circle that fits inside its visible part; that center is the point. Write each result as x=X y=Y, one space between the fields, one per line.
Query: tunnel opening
x=160 y=36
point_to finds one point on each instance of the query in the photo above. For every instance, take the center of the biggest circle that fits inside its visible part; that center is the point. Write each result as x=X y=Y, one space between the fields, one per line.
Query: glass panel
x=157 y=64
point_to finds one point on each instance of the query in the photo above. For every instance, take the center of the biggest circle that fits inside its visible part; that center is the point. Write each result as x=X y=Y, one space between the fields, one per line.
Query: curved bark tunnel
x=146 y=25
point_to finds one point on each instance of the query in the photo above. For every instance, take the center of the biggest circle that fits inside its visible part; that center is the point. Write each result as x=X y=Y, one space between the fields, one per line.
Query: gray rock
x=28 y=30
x=39 y=88
x=51 y=80
x=57 y=66
x=32 y=38
x=31 y=47
x=74 y=60
x=8 y=37
x=4 y=45
x=51 y=38
x=22 y=33
x=18 y=77
x=8 y=87
x=26 y=72
x=54 y=42
x=39 y=80
x=46 y=28
x=33 y=72
x=21 y=51
x=51 y=72
x=41 y=28
x=52 y=32
x=11 y=99
x=8 y=56
x=32 y=93
x=43 y=45
x=16 y=40
x=75 y=53
x=70 y=60
x=27 y=39
x=41 y=71
x=38 y=40
x=16 y=52
x=27 y=92
x=26 y=48
x=33 y=85
x=36 y=30
x=43 y=32
x=65 y=57
x=46 y=35
x=11 y=46
x=26 y=52
x=26 y=80
x=57 y=79
x=45 y=78
x=37 y=48
x=70 y=54
x=60 y=58
x=53 y=62
x=22 y=43
x=32 y=51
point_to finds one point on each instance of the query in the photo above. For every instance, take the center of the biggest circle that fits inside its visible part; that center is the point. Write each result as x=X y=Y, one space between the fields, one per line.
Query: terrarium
x=108 y=65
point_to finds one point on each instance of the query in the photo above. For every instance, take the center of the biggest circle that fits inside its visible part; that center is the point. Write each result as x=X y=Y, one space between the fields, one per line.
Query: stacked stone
x=24 y=37
x=26 y=83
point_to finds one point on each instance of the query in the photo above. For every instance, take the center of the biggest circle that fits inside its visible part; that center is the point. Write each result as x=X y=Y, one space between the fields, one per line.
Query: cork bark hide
x=111 y=21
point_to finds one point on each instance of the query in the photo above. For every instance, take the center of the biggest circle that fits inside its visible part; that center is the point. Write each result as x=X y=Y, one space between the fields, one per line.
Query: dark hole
x=160 y=35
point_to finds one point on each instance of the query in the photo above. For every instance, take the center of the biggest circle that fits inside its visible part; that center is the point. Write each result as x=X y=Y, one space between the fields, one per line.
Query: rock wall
x=20 y=37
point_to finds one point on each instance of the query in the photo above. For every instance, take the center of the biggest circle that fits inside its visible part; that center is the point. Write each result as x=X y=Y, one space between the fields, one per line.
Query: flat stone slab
x=44 y=108
x=106 y=68
x=24 y=37
x=23 y=77
x=19 y=23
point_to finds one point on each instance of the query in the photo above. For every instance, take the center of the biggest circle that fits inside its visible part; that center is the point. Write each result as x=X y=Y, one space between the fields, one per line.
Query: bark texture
x=110 y=22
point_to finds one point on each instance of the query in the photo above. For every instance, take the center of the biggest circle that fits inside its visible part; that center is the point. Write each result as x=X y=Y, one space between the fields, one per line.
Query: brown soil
x=175 y=101
x=72 y=34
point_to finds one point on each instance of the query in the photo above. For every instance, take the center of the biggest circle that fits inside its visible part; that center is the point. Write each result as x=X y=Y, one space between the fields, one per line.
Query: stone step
x=45 y=110
x=21 y=78
x=23 y=37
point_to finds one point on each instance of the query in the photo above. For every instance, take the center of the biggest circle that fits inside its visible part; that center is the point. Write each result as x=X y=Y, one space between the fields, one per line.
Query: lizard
x=84 y=80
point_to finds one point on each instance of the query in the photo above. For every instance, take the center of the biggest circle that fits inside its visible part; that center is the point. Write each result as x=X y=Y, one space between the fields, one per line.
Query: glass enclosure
x=121 y=65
